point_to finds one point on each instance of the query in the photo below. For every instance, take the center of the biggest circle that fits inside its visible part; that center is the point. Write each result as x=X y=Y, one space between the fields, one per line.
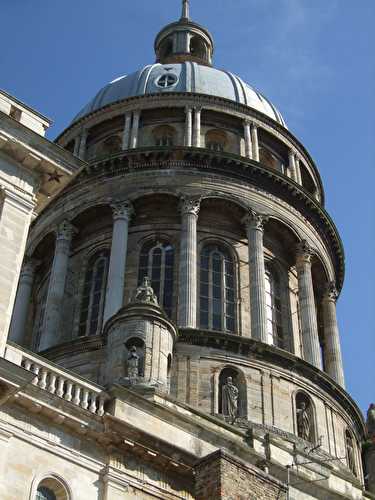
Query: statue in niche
x=371 y=421
x=350 y=453
x=133 y=364
x=303 y=422
x=230 y=399
x=145 y=293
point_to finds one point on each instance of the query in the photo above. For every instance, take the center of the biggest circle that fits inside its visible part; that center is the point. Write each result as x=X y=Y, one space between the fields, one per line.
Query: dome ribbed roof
x=189 y=77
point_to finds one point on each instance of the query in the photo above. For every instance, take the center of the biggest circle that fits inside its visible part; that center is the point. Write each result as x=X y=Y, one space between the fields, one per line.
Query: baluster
x=52 y=383
x=77 y=395
x=60 y=387
x=92 y=406
x=85 y=399
x=101 y=406
x=43 y=379
x=68 y=390
x=27 y=364
x=35 y=369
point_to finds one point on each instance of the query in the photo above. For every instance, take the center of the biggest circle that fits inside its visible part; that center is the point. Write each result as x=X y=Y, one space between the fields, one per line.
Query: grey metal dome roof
x=189 y=77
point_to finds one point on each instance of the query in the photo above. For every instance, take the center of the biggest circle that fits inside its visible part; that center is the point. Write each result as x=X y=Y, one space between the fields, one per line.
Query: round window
x=167 y=80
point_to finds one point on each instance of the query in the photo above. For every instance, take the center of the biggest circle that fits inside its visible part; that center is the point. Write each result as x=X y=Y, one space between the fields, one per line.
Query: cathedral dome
x=182 y=77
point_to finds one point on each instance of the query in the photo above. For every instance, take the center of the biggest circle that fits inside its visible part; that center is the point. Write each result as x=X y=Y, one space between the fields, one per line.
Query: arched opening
x=307 y=181
x=350 y=452
x=165 y=48
x=135 y=358
x=110 y=146
x=217 y=289
x=51 y=489
x=232 y=395
x=272 y=152
x=216 y=140
x=93 y=294
x=156 y=261
x=198 y=48
x=305 y=418
x=164 y=135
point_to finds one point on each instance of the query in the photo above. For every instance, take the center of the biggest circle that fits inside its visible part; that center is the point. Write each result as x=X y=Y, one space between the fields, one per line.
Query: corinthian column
x=255 y=230
x=188 y=126
x=122 y=212
x=21 y=307
x=309 y=324
x=332 y=348
x=126 y=132
x=255 y=142
x=197 y=128
x=51 y=334
x=187 y=311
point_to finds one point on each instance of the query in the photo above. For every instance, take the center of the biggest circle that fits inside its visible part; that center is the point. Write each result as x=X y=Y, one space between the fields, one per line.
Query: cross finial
x=185 y=9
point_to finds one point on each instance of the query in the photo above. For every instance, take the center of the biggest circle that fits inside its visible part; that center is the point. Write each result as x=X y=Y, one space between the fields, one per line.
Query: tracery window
x=275 y=334
x=156 y=261
x=93 y=297
x=167 y=80
x=217 y=289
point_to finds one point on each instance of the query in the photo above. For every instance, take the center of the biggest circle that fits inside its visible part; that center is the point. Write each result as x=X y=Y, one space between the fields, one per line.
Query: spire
x=185 y=9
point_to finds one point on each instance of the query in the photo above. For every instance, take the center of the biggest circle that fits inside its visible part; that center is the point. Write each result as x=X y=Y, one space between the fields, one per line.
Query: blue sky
x=313 y=58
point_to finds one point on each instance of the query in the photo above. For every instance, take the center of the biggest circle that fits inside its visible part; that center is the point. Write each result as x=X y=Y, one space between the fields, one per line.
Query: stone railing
x=60 y=382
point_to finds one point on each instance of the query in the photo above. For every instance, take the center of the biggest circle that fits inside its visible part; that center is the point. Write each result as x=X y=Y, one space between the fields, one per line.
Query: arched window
x=273 y=304
x=350 y=452
x=164 y=135
x=271 y=159
x=157 y=262
x=305 y=418
x=51 y=488
x=217 y=289
x=216 y=140
x=93 y=297
x=232 y=397
x=198 y=48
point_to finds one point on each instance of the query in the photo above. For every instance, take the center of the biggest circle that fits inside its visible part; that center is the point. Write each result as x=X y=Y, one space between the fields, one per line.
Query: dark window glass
x=274 y=313
x=217 y=289
x=44 y=493
x=156 y=261
x=93 y=297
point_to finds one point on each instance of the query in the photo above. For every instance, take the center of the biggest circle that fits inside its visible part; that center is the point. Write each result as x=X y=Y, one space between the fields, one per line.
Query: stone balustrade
x=60 y=382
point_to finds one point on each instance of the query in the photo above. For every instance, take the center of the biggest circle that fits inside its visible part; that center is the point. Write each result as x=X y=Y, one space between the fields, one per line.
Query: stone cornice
x=252 y=348
x=182 y=99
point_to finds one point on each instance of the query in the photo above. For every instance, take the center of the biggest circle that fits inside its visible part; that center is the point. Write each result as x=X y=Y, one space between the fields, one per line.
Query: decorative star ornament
x=54 y=176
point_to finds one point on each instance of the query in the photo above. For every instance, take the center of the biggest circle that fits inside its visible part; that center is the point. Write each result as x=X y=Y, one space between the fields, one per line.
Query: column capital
x=188 y=109
x=254 y=125
x=198 y=108
x=65 y=231
x=247 y=122
x=304 y=252
x=330 y=292
x=122 y=210
x=190 y=205
x=254 y=220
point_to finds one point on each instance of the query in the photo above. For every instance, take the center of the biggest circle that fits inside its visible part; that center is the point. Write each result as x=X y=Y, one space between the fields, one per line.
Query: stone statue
x=303 y=422
x=145 y=293
x=230 y=399
x=371 y=421
x=133 y=364
x=350 y=453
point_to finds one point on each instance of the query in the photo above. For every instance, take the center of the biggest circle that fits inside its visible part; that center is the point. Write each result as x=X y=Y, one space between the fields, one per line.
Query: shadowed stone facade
x=175 y=332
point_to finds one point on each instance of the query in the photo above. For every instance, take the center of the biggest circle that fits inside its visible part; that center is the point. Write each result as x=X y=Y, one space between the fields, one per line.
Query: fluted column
x=51 y=326
x=82 y=145
x=292 y=165
x=332 y=348
x=188 y=126
x=135 y=129
x=309 y=324
x=126 y=132
x=122 y=212
x=247 y=134
x=187 y=311
x=298 y=170
x=255 y=231
x=255 y=142
x=197 y=127
x=21 y=306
